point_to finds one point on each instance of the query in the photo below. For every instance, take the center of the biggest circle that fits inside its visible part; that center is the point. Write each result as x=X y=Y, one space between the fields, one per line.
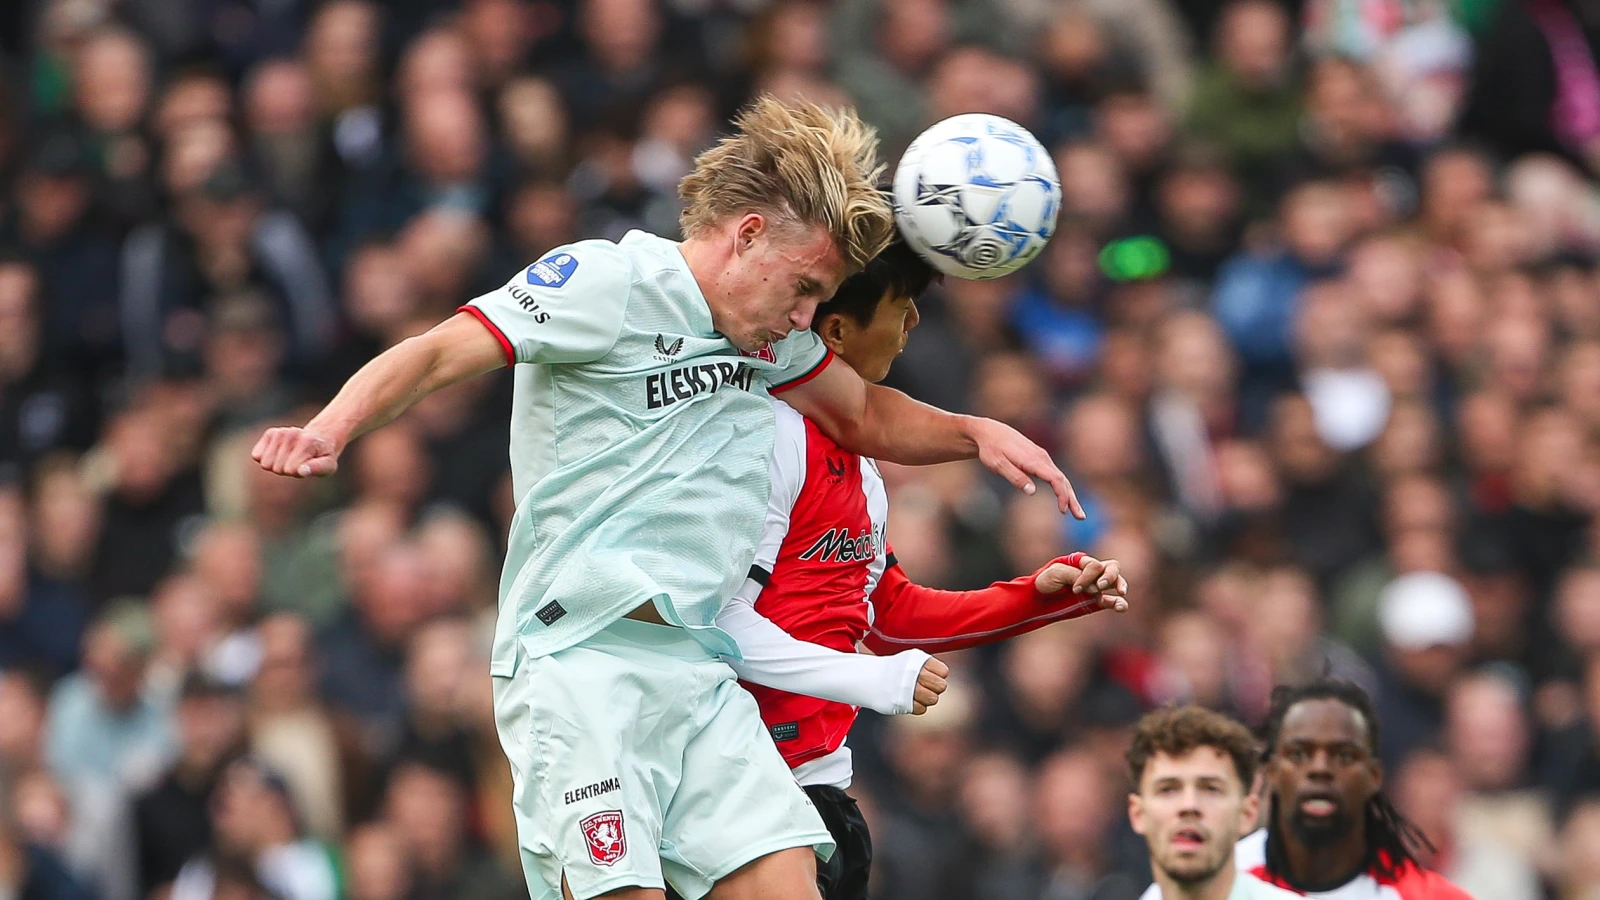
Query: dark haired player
x=825 y=581
x=1193 y=771
x=1331 y=833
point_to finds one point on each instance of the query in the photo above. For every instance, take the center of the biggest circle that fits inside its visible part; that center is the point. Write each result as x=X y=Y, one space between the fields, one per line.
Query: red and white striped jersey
x=825 y=576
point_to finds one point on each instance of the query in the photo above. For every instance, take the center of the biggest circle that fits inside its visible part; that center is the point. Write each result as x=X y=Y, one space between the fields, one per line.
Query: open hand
x=1019 y=460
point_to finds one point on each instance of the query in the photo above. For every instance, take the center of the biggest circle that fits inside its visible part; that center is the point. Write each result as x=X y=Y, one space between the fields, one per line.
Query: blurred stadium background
x=1322 y=317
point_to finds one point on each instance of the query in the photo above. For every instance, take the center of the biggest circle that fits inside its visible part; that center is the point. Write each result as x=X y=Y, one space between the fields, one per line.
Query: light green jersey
x=639 y=444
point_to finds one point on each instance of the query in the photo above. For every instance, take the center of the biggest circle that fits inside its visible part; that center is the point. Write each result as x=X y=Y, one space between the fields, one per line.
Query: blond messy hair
x=802 y=163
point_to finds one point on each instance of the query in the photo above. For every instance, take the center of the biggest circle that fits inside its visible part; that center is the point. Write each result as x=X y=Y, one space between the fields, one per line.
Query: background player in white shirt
x=1193 y=770
x=641 y=432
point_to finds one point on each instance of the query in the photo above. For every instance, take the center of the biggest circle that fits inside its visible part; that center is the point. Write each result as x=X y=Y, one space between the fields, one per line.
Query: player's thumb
x=318 y=466
x=1055 y=578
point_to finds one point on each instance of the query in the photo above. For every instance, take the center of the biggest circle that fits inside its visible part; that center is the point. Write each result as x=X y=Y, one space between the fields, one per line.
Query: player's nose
x=802 y=315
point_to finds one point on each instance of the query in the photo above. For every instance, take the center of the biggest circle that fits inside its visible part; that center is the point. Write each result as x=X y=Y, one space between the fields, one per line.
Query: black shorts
x=844 y=875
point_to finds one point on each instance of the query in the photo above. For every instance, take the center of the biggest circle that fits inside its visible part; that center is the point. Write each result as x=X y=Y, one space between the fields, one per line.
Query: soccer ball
x=976 y=196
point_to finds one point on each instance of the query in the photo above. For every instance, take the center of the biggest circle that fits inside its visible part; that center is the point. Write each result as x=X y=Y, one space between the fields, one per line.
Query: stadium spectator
x=1319 y=316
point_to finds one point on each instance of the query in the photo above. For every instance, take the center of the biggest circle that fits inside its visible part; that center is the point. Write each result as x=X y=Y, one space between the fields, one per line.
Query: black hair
x=1392 y=841
x=898 y=270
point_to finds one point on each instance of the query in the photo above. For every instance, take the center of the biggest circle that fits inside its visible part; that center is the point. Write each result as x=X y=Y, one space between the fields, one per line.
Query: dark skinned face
x=1323 y=771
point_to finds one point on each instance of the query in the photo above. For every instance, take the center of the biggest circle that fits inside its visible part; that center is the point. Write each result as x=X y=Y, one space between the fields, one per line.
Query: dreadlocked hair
x=1392 y=840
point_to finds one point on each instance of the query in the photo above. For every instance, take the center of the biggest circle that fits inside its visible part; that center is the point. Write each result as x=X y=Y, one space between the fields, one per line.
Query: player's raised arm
x=565 y=308
x=455 y=349
x=884 y=423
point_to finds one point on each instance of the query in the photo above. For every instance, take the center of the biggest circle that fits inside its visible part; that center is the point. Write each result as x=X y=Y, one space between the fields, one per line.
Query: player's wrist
x=974 y=429
x=330 y=431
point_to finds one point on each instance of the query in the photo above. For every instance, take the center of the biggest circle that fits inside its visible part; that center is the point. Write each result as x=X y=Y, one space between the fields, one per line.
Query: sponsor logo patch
x=667 y=351
x=603 y=835
x=550 y=612
x=839 y=545
x=788 y=731
x=553 y=271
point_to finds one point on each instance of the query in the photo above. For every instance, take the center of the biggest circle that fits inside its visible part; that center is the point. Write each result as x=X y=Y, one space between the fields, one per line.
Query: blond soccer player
x=640 y=437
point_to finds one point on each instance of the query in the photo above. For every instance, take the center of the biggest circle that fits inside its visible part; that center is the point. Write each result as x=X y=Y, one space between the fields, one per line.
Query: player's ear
x=750 y=226
x=834 y=329
x=1249 y=808
x=1136 y=813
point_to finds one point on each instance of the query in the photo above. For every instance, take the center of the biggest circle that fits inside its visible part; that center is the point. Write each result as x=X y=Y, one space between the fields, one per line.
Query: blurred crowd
x=1318 y=341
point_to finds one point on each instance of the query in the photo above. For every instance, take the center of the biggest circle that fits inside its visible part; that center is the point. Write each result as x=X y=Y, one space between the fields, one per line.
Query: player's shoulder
x=1261 y=889
x=790 y=423
x=1412 y=882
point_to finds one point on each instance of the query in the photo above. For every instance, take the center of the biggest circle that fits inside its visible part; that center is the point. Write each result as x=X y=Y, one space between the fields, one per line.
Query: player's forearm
x=772 y=657
x=379 y=392
x=910 y=615
x=893 y=427
x=405 y=373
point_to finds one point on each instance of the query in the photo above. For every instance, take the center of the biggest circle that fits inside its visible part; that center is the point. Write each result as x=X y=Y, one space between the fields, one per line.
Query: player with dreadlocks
x=1331 y=831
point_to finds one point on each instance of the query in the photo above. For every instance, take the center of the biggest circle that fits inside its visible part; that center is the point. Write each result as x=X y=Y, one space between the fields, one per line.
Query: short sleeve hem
x=481 y=316
x=814 y=371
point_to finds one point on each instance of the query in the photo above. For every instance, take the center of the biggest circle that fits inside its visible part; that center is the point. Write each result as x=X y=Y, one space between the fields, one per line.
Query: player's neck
x=1329 y=867
x=705 y=258
x=1218 y=888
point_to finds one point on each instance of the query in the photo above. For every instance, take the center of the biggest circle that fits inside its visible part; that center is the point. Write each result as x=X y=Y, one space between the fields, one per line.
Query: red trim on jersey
x=505 y=345
x=1411 y=882
x=814 y=371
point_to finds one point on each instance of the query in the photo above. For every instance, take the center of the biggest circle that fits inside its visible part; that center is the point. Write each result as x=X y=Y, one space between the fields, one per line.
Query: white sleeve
x=773 y=657
x=565 y=308
x=787 y=472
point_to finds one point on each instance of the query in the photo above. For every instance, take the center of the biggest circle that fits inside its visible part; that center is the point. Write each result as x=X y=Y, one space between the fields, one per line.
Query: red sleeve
x=1417 y=883
x=909 y=615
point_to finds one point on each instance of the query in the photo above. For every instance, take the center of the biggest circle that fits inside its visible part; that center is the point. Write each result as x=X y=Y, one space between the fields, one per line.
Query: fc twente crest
x=602 y=832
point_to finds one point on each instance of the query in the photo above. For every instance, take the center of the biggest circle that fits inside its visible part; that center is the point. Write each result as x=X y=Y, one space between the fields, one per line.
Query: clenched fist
x=930 y=684
x=295 y=452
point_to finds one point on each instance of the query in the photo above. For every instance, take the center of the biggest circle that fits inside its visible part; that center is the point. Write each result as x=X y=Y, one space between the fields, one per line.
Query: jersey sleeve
x=906 y=614
x=788 y=474
x=565 y=308
x=770 y=656
x=801 y=357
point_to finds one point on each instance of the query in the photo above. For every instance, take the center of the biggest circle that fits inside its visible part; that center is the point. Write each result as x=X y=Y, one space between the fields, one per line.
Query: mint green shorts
x=638 y=761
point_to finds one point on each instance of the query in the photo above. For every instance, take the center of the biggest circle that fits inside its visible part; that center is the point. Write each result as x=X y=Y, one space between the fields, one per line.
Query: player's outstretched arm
x=910 y=615
x=454 y=350
x=885 y=424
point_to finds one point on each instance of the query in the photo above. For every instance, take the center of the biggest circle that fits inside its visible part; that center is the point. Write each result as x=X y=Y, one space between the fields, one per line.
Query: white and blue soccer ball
x=976 y=196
